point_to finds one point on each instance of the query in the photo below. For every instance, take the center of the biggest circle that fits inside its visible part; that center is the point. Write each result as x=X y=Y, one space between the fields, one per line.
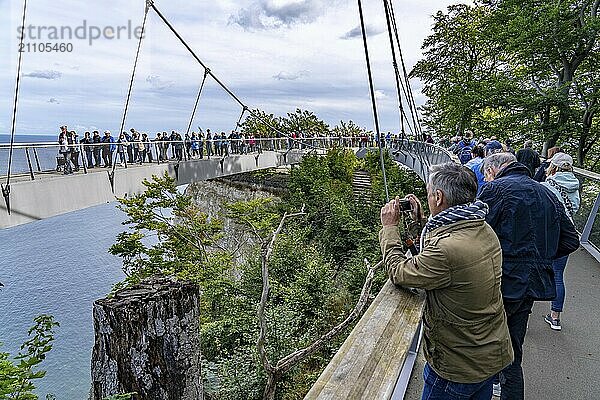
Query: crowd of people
x=135 y=147
x=498 y=239
x=97 y=150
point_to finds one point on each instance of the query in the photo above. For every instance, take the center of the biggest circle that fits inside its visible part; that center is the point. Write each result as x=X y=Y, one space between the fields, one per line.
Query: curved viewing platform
x=40 y=192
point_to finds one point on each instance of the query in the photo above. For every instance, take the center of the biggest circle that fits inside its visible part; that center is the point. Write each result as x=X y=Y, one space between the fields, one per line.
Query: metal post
x=83 y=158
x=29 y=164
x=587 y=230
x=37 y=160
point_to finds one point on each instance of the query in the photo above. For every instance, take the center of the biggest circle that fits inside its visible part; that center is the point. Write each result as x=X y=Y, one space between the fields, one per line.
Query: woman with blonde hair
x=540 y=174
x=563 y=183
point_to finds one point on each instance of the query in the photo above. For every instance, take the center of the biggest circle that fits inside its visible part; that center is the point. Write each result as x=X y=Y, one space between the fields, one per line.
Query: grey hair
x=497 y=160
x=457 y=182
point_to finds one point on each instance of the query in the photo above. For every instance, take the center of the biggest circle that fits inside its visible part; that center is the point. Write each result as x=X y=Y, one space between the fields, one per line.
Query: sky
x=276 y=55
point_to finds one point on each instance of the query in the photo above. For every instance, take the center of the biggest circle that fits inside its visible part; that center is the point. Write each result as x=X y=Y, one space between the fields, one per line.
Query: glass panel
x=46 y=157
x=588 y=192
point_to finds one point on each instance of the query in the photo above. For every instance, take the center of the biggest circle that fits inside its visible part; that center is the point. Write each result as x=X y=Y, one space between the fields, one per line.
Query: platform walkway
x=558 y=365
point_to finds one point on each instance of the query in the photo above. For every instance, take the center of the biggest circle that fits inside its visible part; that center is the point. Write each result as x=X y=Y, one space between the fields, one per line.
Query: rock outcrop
x=148 y=342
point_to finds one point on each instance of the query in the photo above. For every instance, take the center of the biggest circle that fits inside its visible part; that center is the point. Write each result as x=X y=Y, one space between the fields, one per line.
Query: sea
x=57 y=266
x=46 y=156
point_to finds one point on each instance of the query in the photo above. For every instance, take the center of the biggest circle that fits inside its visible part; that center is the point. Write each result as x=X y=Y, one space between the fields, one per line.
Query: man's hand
x=416 y=208
x=390 y=214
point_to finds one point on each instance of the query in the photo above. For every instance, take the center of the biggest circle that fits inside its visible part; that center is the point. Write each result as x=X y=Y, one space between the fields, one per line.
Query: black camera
x=404 y=205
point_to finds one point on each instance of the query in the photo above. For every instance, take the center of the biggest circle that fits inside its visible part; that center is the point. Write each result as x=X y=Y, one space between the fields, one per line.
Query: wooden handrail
x=369 y=362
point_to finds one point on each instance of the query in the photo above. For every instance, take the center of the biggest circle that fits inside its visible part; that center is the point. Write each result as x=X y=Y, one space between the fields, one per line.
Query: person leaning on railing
x=96 y=140
x=467 y=340
x=86 y=142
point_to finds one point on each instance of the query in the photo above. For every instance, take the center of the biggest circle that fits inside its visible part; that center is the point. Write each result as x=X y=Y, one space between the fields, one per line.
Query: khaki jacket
x=465 y=332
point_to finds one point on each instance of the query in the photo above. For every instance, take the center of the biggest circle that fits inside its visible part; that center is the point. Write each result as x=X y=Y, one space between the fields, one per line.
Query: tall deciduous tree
x=516 y=68
x=554 y=43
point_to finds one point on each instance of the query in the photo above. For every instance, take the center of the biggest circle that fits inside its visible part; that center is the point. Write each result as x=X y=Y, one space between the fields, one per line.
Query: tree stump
x=148 y=342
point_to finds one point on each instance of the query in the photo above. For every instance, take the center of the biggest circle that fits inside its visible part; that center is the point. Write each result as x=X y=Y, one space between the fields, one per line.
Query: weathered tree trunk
x=147 y=341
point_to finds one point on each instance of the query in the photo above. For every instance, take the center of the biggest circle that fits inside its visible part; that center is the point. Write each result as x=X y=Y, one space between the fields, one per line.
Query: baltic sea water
x=58 y=266
x=46 y=155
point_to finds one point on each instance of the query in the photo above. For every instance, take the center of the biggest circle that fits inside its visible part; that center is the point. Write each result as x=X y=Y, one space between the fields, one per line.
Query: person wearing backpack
x=563 y=183
x=464 y=149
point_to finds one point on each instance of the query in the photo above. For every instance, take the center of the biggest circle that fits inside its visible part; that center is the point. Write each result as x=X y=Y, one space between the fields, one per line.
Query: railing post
x=29 y=164
x=37 y=160
x=587 y=230
x=83 y=158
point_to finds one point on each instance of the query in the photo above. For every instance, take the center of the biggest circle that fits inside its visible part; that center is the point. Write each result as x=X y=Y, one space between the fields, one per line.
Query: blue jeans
x=438 y=388
x=558 y=266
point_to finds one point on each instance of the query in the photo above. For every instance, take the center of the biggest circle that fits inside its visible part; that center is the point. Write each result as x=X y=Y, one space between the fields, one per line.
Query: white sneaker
x=497 y=391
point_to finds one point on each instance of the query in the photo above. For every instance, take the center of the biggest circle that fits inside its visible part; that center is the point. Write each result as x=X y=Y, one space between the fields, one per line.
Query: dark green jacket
x=466 y=337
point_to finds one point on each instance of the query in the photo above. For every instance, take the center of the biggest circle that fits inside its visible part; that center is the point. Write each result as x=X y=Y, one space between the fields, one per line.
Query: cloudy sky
x=276 y=55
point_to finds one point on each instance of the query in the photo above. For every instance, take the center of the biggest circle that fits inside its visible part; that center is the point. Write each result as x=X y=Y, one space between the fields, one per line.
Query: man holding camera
x=466 y=334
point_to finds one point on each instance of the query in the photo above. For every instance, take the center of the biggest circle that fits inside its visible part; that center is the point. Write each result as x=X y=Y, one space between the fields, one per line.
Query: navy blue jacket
x=533 y=229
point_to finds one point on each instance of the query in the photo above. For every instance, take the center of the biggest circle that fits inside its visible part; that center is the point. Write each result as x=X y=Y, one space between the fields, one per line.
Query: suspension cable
x=373 y=102
x=217 y=80
x=395 y=65
x=206 y=72
x=6 y=188
x=410 y=97
x=418 y=133
x=244 y=109
x=137 y=56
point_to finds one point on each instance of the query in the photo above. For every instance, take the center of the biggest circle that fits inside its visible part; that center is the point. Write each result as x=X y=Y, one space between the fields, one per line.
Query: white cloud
x=47 y=74
x=380 y=94
x=263 y=14
x=356 y=32
x=290 y=76
x=157 y=83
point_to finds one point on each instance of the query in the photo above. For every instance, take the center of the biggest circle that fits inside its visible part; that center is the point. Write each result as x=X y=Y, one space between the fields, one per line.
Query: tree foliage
x=516 y=69
x=17 y=376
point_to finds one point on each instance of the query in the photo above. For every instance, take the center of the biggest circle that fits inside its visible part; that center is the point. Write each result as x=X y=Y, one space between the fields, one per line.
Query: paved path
x=559 y=365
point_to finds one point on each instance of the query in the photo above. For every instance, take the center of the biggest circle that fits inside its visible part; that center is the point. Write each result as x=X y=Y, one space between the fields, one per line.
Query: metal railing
x=586 y=220
x=47 y=157
x=32 y=159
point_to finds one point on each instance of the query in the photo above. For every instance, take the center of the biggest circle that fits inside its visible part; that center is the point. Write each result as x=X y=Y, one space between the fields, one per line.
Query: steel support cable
x=111 y=175
x=373 y=101
x=402 y=84
x=408 y=91
x=405 y=83
x=395 y=65
x=217 y=80
x=6 y=188
x=206 y=72
x=410 y=96
x=244 y=109
x=399 y=84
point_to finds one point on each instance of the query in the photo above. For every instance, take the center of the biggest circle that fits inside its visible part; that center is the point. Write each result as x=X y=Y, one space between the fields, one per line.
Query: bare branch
x=537 y=86
x=279 y=228
x=294 y=358
x=266 y=254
